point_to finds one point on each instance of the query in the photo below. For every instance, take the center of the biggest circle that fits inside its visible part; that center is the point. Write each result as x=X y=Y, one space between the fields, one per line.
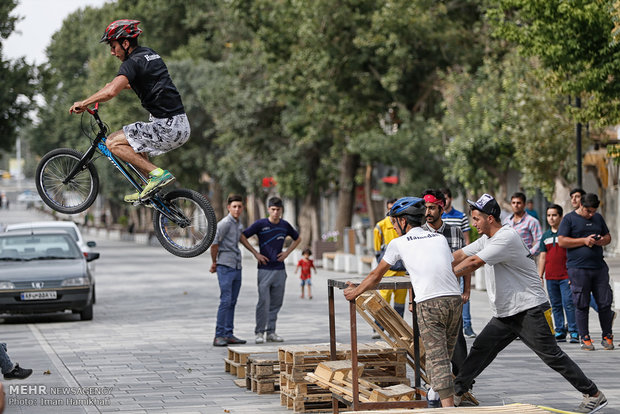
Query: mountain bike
x=68 y=182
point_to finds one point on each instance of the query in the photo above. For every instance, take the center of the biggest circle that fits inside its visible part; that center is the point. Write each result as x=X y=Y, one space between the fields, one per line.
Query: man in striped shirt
x=455 y=218
x=527 y=226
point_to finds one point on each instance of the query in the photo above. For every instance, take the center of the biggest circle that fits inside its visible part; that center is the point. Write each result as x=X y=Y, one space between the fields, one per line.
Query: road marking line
x=61 y=368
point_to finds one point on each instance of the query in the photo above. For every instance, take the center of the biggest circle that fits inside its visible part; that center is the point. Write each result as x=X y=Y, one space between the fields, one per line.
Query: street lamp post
x=578 y=139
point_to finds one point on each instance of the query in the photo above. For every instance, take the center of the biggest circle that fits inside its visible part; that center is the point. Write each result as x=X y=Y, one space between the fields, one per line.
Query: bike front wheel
x=73 y=196
x=188 y=226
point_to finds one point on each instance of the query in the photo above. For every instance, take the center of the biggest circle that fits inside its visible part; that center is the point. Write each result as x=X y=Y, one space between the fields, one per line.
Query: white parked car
x=66 y=226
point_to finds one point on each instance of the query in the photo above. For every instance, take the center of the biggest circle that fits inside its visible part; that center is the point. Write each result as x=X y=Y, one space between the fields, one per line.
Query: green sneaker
x=132 y=198
x=155 y=183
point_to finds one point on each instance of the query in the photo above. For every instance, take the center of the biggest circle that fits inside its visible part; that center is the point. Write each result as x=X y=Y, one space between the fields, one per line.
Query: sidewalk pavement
x=146 y=354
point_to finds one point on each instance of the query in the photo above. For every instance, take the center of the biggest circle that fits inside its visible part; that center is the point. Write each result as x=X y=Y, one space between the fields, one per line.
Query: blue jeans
x=466 y=313
x=561 y=299
x=5 y=362
x=230 y=284
x=271 y=284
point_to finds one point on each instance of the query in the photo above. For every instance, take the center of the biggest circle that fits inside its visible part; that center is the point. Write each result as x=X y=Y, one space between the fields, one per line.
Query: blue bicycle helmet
x=408 y=206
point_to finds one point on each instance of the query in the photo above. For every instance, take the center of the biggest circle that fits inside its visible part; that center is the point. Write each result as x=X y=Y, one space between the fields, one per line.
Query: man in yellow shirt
x=384 y=233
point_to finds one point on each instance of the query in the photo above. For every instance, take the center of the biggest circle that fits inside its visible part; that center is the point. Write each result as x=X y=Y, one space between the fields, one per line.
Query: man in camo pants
x=428 y=260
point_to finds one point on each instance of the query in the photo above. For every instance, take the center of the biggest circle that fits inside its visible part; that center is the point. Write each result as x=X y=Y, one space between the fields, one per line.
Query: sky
x=41 y=19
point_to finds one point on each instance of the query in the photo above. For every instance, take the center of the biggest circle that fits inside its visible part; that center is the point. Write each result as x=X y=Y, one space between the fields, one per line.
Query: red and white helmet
x=121 y=29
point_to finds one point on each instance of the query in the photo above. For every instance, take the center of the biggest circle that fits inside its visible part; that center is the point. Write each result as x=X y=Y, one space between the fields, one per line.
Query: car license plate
x=38 y=295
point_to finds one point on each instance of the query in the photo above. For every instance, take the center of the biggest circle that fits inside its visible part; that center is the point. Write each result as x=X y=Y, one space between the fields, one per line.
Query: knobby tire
x=194 y=239
x=75 y=196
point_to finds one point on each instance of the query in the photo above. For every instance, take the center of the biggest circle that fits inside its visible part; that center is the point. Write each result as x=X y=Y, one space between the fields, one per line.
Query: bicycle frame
x=99 y=143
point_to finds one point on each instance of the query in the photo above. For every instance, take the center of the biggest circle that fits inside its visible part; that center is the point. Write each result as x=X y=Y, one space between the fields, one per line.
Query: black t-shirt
x=150 y=80
x=575 y=226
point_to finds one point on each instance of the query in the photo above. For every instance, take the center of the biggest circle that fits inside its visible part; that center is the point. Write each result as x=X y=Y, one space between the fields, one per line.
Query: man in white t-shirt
x=428 y=261
x=518 y=302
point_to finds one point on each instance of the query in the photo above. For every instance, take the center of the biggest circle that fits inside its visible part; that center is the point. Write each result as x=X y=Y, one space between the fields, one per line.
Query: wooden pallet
x=309 y=403
x=501 y=409
x=298 y=388
x=262 y=375
x=237 y=360
x=384 y=365
x=336 y=377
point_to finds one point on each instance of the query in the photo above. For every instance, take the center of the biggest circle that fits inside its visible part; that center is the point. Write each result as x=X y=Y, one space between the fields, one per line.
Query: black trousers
x=533 y=329
x=460 y=352
x=584 y=282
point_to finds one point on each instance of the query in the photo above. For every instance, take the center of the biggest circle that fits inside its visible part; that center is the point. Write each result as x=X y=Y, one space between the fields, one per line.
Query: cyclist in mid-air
x=144 y=71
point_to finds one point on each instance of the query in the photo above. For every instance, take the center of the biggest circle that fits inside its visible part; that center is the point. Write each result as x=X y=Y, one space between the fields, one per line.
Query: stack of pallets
x=385 y=366
x=263 y=375
x=336 y=377
x=237 y=361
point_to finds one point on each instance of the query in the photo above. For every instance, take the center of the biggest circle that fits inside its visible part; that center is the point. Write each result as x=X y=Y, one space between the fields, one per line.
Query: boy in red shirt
x=552 y=265
x=306 y=264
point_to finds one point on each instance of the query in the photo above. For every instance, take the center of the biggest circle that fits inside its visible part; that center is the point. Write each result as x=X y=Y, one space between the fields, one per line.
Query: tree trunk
x=308 y=213
x=502 y=194
x=372 y=214
x=346 y=194
x=308 y=219
x=561 y=194
x=218 y=200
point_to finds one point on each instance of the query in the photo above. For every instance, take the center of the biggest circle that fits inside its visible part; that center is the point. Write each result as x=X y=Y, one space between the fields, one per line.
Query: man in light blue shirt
x=226 y=257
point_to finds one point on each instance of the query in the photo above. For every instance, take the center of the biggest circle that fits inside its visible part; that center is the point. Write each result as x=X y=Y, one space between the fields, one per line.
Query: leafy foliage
x=17 y=87
x=574 y=40
x=500 y=117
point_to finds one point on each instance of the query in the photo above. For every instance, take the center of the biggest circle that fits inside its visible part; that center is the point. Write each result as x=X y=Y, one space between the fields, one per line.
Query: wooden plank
x=331 y=370
x=393 y=393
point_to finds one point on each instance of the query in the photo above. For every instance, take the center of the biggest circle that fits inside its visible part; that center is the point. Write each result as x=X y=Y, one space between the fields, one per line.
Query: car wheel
x=87 y=313
x=94 y=296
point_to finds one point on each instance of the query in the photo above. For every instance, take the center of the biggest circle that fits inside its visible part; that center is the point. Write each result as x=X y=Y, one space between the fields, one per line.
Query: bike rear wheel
x=76 y=195
x=193 y=229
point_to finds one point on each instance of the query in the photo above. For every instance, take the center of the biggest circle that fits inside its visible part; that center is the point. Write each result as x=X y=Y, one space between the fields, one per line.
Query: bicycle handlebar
x=92 y=111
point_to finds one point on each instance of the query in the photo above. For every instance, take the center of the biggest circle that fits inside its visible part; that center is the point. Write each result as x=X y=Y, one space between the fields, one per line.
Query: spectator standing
x=11 y=371
x=456 y=218
x=427 y=258
x=527 y=226
x=306 y=265
x=434 y=201
x=529 y=209
x=575 y=197
x=226 y=258
x=518 y=302
x=575 y=201
x=271 y=233
x=383 y=234
x=583 y=233
x=552 y=266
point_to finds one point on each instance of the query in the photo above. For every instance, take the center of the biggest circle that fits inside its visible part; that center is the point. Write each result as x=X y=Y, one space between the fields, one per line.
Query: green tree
x=17 y=87
x=503 y=116
x=574 y=40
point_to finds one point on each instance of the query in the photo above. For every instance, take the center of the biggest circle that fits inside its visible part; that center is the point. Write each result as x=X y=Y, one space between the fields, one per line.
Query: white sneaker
x=592 y=404
x=259 y=338
x=457 y=400
x=273 y=337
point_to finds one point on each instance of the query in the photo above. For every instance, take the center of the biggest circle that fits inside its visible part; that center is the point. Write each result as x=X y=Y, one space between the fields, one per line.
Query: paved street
x=149 y=349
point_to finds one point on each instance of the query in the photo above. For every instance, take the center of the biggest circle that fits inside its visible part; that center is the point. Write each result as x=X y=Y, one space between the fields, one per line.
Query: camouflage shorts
x=439 y=320
x=158 y=136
